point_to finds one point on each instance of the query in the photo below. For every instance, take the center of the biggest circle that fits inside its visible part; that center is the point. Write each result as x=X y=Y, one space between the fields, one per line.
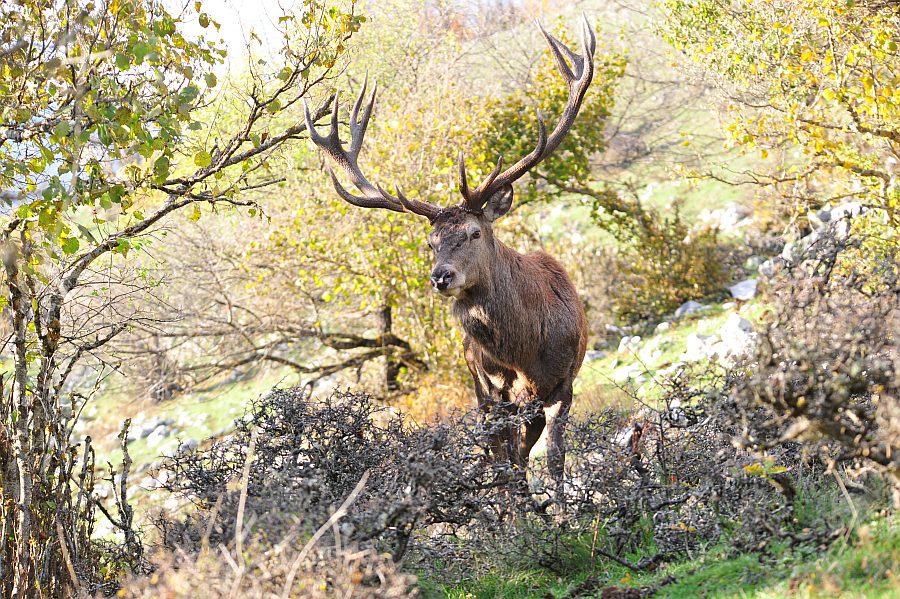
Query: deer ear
x=499 y=203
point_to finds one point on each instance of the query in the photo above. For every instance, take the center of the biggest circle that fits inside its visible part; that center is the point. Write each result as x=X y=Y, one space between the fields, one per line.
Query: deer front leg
x=556 y=412
x=492 y=384
x=531 y=429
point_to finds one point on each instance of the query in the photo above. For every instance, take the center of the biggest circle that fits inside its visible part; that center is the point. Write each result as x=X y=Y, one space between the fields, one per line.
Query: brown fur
x=525 y=330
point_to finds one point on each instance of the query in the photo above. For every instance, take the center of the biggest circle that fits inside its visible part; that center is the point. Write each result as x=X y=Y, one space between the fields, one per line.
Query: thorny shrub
x=828 y=369
x=665 y=480
x=429 y=497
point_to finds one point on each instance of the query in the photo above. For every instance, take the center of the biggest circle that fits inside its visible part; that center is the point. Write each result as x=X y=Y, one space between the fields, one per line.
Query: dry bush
x=664 y=262
x=668 y=479
x=827 y=371
x=264 y=570
x=274 y=485
x=308 y=456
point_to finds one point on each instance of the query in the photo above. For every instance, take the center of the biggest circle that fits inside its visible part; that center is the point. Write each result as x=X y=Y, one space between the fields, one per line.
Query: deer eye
x=476 y=234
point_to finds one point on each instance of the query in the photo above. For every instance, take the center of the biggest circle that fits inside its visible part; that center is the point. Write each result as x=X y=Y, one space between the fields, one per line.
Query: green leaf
x=161 y=169
x=123 y=246
x=188 y=94
x=123 y=62
x=140 y=50
x=204 y=20
x=210 y=79
x=87 y=233
x=63 y=128
x=70 y=245
x=202 y=159
x=195 y=215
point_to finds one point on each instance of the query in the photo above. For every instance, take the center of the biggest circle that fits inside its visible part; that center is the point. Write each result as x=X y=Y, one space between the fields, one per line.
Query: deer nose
x=441 y=279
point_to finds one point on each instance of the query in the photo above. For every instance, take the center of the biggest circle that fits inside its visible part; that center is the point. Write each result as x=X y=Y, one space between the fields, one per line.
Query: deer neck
x=487 y=309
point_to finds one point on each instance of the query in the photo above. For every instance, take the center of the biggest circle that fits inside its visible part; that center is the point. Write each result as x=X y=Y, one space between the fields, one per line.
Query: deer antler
x=373 y=196
x=578 y=77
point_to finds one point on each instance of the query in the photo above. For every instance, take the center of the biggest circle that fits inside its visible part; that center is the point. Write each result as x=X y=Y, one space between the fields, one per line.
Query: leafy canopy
x=814 y=88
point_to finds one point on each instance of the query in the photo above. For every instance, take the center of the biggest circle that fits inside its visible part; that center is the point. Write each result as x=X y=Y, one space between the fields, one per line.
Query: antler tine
x=357 y=127
x=386 y=201
x=493 y=174
x=558 y=49
x=587 y=34
x=476 y=199
x=429 y=211
x=578 y=71
x=331 y=145
x=463 y=180
x=373 y=196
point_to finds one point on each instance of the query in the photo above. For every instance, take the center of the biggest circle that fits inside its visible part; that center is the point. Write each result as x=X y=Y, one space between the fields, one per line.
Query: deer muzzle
x=445 y=280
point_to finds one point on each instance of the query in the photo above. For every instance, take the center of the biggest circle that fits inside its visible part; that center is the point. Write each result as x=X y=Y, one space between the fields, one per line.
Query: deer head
x=462 y=237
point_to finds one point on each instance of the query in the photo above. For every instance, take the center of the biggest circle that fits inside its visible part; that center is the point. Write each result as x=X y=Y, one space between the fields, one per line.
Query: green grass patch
x=867 y=565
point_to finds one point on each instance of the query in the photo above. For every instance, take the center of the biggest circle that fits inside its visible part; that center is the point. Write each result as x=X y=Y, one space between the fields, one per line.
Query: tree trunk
x=391 y=365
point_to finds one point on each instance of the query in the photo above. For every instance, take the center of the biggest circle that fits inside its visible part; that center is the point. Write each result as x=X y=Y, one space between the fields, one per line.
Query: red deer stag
x=525 y=328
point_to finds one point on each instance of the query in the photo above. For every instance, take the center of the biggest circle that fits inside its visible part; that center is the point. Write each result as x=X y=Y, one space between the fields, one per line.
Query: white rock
x=842 y=229
x=623 y=437
x=768 y=268
x=677 y=414
x=652 y=349
x=718 y=352
x=614 y=330
x=592 y=355
x=733 y=216
x=663 y=327
x=736 y=324
x=629 y=343
x=689 y=307
x=185 y=419
x=848 y=210
x=744 y=290
x=738 y=341
x=672 y=370
x=158 y=435
x=172 y=504
x=103 y=528
x=102 y=491
x=187 y=446
x=628 y=373
x=698 y=347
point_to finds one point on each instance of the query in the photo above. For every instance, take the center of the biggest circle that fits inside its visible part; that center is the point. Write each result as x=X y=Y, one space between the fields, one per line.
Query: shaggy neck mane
x=497 y=284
